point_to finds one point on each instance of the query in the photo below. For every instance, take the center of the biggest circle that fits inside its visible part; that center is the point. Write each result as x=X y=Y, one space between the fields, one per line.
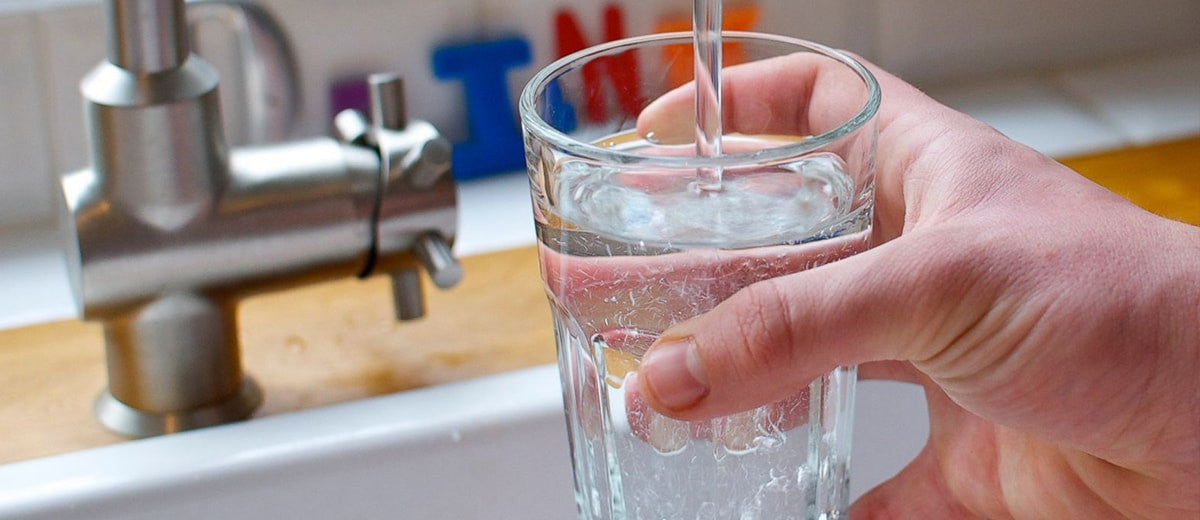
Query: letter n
x=621 y=69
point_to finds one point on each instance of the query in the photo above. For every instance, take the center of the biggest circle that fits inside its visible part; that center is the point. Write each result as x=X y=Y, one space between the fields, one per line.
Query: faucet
x=168 y=228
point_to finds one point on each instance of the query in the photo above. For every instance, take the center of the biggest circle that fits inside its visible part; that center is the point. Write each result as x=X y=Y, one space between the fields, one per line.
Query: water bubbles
x=767 y=205
x=736 y=433
x=780 y=481
x=749 y=513
x=636 y=251
x=668 y=436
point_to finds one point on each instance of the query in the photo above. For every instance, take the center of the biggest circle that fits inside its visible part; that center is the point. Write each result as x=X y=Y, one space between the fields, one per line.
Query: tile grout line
x=34 y=136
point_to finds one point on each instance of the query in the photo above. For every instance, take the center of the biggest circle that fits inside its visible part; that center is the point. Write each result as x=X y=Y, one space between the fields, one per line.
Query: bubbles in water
x=778 y=204
x=736 y=433
x=780 y=482
x=747 y=432
x=668 y=436
x=637 y=221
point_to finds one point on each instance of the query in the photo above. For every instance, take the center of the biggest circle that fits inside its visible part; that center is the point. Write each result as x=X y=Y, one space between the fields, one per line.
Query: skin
x=1054 y=326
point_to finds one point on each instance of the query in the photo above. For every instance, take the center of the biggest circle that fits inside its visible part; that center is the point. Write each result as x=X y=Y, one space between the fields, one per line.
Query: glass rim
x=536 y=125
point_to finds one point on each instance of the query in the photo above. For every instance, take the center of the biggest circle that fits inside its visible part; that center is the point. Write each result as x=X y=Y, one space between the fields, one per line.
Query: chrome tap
x=169 y=227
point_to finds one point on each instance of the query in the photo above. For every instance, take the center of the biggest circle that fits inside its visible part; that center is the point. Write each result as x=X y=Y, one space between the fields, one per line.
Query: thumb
x=894 y=302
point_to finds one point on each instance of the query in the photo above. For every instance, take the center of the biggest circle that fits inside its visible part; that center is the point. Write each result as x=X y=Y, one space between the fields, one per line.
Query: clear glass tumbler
x=632 y=240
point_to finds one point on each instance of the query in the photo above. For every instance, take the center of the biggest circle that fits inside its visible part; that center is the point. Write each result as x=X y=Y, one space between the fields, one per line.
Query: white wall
x=47 y=45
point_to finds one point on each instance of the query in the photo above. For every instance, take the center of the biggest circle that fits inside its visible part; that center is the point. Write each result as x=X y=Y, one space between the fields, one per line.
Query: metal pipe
x=148 y=36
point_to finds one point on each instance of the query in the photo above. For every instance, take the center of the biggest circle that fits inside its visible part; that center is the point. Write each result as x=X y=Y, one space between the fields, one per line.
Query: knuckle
x=953 y=295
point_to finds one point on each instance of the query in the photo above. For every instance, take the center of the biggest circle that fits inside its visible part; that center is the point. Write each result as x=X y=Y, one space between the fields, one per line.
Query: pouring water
x=706 y=28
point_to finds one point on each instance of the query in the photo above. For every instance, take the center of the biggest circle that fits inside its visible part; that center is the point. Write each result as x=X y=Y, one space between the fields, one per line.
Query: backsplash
x=46 y=46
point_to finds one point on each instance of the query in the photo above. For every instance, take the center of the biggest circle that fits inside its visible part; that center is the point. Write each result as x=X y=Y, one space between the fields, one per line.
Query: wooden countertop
x=336 y=342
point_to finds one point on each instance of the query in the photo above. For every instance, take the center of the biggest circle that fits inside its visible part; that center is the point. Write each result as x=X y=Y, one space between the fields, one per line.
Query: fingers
x=918 y=491
x=896 y=302
x=806 y=94
x=799 y=94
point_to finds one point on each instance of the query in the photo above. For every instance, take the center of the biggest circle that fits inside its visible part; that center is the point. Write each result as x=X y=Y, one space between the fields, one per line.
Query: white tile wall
x=26 y=193
x=1030 y=109
x=74 y=41
x=844 y=24
x=1147 y=100
x=930 y=41
x=27 y=6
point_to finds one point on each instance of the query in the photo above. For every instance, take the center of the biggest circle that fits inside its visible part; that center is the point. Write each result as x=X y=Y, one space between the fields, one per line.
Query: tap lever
x=351 y=127
x=415 y=166
x=387 y=101
x=408 y=301
x=429 y=162
x=433 y=252
x=414 y=152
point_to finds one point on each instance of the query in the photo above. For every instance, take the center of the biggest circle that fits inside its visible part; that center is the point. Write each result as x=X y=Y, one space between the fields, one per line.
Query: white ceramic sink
x=491 y=448
x=486 y=449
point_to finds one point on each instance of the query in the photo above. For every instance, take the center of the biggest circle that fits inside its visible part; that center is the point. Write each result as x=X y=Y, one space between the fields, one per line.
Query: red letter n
x=621 y=69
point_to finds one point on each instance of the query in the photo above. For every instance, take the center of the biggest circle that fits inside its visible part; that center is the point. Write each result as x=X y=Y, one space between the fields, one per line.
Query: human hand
x=1054 y=326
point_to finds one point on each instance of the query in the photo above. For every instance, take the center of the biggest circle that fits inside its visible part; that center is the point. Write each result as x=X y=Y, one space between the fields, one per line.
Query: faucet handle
x=433 y=252
x=408 y=300
x=351 y=127
x=388 y=109
x=415 y=216
x=414 y=152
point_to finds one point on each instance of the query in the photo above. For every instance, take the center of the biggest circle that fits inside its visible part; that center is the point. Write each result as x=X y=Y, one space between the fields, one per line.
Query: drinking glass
x=631 y=241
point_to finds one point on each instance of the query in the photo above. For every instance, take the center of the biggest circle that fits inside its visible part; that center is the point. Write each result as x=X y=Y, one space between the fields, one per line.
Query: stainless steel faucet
x=169 y=227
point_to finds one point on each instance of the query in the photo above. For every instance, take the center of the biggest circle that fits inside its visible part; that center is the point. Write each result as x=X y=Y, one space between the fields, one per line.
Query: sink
x=487 y=448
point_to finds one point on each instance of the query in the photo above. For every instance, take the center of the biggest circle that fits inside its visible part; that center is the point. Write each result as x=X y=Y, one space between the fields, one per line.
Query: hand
x=1054 y=326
